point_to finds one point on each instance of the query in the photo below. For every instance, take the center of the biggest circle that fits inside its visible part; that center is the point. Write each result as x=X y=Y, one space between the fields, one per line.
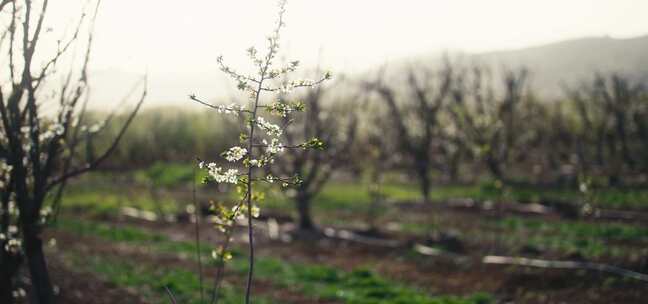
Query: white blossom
x=96 y=127
x=230 y=109
x=45 y=213
x=57 y=128
x=235 y=154
x=13 y=246
x=46 y=135
x=5 y=173
x=222 y=176
x=256 y=212
x=270 y=128
x=274 y=146
x=255 y=163
x=19 y=293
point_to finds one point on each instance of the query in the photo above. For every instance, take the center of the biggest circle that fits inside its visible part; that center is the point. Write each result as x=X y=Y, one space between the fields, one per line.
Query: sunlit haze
x=177 y=42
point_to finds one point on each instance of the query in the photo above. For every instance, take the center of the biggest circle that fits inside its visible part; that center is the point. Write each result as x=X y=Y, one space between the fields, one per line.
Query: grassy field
x=351 y=196
x=360 y=286
x=293 y=273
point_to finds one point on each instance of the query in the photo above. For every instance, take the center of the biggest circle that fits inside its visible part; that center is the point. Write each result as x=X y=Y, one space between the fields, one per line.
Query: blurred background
x=477 y=152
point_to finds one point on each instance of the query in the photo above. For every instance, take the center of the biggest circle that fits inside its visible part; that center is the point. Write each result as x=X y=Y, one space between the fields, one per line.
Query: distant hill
x=573 y=61
x=569 y=62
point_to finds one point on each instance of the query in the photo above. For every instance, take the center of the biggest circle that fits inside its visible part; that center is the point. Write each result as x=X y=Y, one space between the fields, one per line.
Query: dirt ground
x=437 y=275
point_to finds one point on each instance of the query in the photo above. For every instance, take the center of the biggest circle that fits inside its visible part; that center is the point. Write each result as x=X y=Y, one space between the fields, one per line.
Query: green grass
x=360 y=286
x=151 y=280
x=588 y=239
x=148 y=279
x=591 y=240
x=110 y=201
x=357 y=287
x=602 y=197
x=98 y=192
x=170 y=175
x=612 y=231
x=343 y=197
x=111 y=233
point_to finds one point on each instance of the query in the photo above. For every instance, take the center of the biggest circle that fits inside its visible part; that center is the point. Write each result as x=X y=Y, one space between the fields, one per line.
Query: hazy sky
x=176 y=38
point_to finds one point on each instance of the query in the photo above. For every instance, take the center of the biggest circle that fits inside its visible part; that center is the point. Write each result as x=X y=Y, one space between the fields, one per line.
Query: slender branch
x=5 y=2
x=61 y=51
x=56 y=204
x=197 y=214
x=94 y=164
x=12 y=39
x=221 y=267
x=298 y=85
x=248 y=288
x=215 y=107
x=221 y=257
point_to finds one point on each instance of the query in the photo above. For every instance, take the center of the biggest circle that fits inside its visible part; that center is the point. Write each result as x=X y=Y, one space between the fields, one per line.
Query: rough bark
x=42 y=286
x=8 y=269
x=304 y=211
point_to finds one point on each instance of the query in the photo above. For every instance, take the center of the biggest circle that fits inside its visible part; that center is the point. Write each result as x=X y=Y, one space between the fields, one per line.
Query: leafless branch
x=94 y=164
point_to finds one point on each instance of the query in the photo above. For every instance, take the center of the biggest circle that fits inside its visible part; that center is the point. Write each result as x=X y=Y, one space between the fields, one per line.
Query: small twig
x=221 y=259
x=204 y=103
x=221 y=267
x=107 y=152
x=171 y=296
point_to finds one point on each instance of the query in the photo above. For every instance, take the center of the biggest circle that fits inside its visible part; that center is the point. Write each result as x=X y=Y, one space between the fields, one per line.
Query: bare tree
x=489 y=123
x=416 y=120
x=612 y=117
x=39 y=137
x=326 y=123
x=375 y=157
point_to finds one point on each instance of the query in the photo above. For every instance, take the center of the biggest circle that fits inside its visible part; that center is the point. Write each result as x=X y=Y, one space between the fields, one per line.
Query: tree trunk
x=424 y=179
x=623 y=138
x=303 y=209
x=5 y=288
x=42 y=292
x=600 y=143
x=8 y=268
x=455 y=163
x=494 y=167
x=614 y=180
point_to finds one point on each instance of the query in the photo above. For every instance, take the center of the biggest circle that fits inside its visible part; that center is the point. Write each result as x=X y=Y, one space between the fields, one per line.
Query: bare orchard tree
x=40 y=132
x=612 y=114
x=489 y=122
x=335 y=125
x=415 y=118
x=374 y=156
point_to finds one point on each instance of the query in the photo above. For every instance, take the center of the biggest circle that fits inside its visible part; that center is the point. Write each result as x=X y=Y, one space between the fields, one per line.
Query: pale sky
x=176 y=39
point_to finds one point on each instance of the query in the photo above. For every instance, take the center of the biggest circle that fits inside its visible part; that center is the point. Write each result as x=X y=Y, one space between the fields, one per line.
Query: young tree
x=262 y=140
x=40 y=133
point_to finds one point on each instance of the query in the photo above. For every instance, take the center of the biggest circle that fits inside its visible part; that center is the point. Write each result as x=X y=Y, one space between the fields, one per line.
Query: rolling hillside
x=573 y=61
